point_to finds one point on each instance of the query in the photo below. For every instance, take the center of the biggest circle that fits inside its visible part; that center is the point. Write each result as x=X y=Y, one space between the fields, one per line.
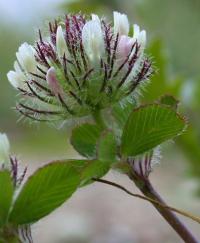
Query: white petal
x=136 y=30
x=11 y=75
x=17 y=67
x=140 y=36
x=16 y=79
x=4 y=149
x=61 y=43
x=142 y=39
x=121 y=23
x=92 y=38
x=26 y=57
x=95 y=17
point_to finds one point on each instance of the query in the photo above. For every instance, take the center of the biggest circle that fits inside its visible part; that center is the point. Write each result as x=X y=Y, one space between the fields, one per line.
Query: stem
x=183 y=213
x=152 y=196
x=97 y=116
x=10 y=235
x=147 y=189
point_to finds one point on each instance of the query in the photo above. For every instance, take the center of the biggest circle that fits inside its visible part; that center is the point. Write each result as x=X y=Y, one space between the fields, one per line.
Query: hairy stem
x=147 y=189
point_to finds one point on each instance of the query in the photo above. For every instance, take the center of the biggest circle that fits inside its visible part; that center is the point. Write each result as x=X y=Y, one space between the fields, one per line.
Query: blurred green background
x=173 y=32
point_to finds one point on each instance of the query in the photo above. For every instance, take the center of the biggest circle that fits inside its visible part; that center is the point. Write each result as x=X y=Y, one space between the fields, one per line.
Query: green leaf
x=88 y=169
x=6 y=195
x=45 y=190
x=94 y=169
x=78 y=165
x=85 y=168
x=84 y=139
x=169 y=100
x=107 y=147
x=149 y=126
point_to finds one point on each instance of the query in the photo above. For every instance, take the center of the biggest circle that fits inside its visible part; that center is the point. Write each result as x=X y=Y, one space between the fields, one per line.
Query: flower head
x=84 y=64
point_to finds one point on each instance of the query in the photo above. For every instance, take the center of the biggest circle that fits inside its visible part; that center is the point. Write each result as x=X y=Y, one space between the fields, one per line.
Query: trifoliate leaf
x=44 y=191
x=148 y=127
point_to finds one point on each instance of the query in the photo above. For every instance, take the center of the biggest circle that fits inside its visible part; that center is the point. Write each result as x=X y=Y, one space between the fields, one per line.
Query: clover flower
x=84 y=64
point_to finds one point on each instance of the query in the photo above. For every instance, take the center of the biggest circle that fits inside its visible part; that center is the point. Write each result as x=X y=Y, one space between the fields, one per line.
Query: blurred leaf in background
x=9 y=42
x=162 y=83
x=103 y=7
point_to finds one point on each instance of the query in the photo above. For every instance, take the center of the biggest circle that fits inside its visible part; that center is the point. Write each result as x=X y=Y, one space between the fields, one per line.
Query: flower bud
x=4 y=149
x=52 y=81
x=26 y=57
x=93 y=42
x=61 y=44
x=121 y=24
x=124 y=47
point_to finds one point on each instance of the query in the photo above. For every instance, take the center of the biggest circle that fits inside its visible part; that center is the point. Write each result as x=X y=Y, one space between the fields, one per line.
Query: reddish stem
x=147 y=189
